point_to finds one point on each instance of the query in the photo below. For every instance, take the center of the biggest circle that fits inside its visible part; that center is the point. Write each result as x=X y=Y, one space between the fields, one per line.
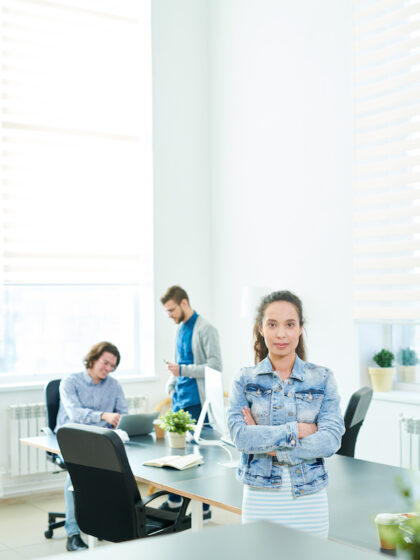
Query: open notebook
x=179 y=462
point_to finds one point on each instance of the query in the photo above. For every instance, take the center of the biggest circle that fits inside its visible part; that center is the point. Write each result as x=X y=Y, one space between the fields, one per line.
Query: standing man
x=90 y=397
x=197 y=346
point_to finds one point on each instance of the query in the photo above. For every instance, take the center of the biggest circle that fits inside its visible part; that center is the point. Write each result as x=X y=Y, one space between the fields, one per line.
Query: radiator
x=27 y=420
x=409 y=442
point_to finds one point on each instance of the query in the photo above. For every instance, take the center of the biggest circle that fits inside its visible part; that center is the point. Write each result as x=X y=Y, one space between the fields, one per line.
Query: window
x=387 y=151
x=387 y=176
x=76 y=222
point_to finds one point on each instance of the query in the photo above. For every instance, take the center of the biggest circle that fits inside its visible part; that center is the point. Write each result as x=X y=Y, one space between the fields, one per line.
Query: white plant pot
x=381 y=378
x=176 y=440
x=408 y=374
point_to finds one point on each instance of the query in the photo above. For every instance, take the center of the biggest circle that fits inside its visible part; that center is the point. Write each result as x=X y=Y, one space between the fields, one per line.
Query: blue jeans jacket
x=309 y=395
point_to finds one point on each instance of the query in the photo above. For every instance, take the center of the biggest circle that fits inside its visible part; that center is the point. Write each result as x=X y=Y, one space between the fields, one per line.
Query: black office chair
x=353 y=420
x=107 y=500
x=52 y=400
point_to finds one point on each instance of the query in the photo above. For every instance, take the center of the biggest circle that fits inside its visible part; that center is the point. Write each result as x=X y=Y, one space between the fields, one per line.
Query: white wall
x=181 y=160
x=281 y=156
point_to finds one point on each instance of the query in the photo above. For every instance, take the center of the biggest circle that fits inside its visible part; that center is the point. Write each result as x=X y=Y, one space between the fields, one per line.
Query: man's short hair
x=175 y=293
x=97 y=350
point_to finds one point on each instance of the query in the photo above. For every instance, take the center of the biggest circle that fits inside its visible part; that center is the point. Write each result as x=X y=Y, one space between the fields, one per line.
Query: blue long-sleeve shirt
x=83 y=402
x=186 y=389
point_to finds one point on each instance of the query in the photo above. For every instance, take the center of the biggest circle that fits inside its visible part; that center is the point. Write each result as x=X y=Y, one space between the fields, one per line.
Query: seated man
x=90 y=397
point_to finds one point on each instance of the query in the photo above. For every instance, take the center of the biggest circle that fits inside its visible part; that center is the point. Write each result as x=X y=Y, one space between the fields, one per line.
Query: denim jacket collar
x=298 y=371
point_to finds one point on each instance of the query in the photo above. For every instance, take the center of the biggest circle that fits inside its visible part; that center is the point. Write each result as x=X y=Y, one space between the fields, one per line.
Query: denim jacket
x=309 y=395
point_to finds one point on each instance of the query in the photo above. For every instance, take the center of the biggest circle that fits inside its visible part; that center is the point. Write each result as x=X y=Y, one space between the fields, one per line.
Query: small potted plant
x=176 y=424
x=382 y=375
x=407 y=358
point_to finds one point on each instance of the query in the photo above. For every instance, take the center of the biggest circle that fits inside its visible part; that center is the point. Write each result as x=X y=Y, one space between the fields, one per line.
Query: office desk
x=358 y=490
x=142 y=448
x=249 y=542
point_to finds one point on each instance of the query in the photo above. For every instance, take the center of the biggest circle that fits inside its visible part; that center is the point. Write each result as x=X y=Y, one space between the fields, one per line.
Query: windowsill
x=37 y=385
x=410 y=395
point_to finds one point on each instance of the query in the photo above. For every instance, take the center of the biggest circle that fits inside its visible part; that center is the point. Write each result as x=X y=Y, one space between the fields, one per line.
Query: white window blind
x=387 y=159
x=76 y=185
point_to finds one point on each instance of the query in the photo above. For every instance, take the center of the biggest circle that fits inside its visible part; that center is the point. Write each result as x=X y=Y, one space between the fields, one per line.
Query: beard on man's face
x=181 y=317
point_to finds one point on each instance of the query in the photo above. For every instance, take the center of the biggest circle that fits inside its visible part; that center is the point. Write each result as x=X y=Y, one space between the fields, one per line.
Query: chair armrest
x=184 y=505
x=177 y=519
x=58 y=460
x=183 y=510
x=154 y=496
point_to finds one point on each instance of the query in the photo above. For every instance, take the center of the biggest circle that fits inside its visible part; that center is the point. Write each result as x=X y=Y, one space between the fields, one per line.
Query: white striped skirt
x=306 y=513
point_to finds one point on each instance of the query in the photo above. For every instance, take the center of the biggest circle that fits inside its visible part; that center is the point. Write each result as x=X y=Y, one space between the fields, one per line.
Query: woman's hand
x=305 y=430
x=248 y=418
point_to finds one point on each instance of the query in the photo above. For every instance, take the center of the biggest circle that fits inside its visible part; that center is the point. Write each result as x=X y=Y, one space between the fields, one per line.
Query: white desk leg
x=91 y=542
x=196 y=515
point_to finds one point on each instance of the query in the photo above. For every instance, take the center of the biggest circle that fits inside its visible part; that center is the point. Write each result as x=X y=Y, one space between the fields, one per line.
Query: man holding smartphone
x=197 y=346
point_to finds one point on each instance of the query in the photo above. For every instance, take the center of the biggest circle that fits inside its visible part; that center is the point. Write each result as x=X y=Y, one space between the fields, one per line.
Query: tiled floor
x=24 y=520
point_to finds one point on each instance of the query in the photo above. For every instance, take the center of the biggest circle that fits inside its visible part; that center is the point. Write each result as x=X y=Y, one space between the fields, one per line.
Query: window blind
x=76 y=193
x=387 y=159
x=76 y=186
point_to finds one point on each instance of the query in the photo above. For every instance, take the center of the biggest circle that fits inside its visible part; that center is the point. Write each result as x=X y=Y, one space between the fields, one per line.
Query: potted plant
x=176 y=424
x=382 y=375
x=407 y=358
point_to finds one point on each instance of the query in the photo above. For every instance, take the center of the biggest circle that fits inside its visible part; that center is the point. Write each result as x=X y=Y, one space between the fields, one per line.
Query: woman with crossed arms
x=284 y=417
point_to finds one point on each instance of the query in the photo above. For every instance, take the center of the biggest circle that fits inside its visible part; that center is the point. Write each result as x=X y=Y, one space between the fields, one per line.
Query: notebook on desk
x=137 y=424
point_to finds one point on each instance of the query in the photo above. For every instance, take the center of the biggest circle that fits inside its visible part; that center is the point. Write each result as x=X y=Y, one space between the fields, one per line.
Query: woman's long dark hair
x=260 y=349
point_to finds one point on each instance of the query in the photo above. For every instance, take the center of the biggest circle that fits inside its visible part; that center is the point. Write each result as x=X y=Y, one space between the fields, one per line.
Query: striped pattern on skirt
x=306 y=513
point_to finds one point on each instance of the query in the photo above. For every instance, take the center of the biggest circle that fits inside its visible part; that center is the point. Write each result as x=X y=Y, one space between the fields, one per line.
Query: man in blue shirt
x=197 y=346
x=90 y=397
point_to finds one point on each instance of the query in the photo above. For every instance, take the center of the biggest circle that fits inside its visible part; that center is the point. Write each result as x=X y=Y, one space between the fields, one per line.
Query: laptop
x=137 y=424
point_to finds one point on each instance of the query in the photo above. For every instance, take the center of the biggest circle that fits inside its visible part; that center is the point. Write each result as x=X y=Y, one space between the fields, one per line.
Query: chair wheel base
x=48 y=534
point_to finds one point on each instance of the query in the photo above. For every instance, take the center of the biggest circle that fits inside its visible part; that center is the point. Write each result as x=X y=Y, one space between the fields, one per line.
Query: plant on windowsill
x=407 y=358
x=176 y=424
x=382 y=375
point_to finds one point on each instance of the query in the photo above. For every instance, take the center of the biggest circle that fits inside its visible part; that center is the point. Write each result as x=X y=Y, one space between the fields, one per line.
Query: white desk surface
x=249 y=542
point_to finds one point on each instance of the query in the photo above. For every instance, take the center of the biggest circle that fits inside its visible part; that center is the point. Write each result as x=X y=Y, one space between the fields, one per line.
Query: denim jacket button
x=297 y=471
x=290 y=413
x=289 y=394
x=292 y=442
x=290 y=381
x=301 y=492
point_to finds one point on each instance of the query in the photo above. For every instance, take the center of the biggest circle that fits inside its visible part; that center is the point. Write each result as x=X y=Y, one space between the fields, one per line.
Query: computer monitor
x=215 y=396
x=214 y=405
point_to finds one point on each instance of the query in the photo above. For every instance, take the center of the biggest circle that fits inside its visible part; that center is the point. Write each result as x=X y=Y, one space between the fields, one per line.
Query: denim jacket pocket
x=308 y=405
x=314 y=471
x=259 y=401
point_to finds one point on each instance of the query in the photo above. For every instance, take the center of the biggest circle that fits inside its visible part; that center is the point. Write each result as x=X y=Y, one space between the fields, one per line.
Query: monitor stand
x=232 y=463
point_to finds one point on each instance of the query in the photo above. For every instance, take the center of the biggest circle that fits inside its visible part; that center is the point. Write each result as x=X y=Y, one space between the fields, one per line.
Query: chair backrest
x=52 y=400
x=105 y=491
x=353 y=419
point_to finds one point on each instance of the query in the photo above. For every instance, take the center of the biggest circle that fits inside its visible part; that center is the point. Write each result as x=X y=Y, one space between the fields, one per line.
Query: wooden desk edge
x=192 y=496
x=32 y=443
